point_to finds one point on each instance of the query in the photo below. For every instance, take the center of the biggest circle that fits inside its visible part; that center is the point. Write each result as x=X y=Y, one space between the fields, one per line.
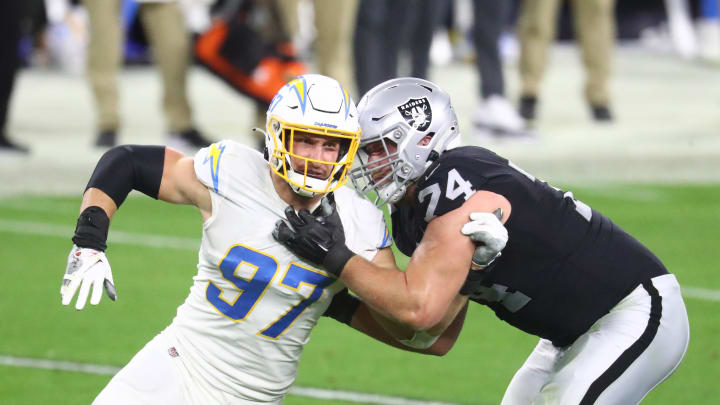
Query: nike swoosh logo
x=381 y=117
x=431 y=172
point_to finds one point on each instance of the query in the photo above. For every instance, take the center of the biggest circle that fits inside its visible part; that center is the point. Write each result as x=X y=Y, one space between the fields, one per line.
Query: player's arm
x=157 y=171
x=160 y=172
x=420 y=296
x=437 y=270
x=372 y=324
x=348 y=309
x=437 y=340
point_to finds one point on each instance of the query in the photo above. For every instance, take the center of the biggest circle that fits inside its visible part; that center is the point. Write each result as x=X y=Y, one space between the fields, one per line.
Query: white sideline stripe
x=318 y=393
x=129 y=238
x=701 y=293
x=161 y=241
x=351 y=396
x=58 y=365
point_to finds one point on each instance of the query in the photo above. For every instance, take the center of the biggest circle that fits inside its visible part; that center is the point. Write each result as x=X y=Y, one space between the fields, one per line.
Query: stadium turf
x=679 y=223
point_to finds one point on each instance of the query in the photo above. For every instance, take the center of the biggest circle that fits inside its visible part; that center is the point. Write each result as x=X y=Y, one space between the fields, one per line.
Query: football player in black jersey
x=611 y=320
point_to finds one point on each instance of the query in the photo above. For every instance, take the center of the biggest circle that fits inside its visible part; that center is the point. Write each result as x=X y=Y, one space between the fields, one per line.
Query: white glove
x=87 y=268
x=486 y=230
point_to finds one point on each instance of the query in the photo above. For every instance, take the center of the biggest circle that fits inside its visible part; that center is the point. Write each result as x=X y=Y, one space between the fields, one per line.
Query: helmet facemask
x=407 y=123
x=311 y=106
x=301 y=178
x=387 y=176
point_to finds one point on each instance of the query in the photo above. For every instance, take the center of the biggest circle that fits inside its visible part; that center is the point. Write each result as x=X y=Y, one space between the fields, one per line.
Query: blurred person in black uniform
x=611 y=319
x=11 y=16
x=387 y=27
x=494 y=113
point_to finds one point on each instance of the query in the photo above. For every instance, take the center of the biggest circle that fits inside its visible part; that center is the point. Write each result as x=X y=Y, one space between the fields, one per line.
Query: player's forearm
x=401 y=336
x=454 y=311
x=372 y=324
x=98 y=198
x=449 y=336
x=394 y=294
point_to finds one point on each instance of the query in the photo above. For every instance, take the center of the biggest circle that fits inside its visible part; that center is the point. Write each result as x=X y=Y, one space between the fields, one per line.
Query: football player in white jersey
x=238 y=336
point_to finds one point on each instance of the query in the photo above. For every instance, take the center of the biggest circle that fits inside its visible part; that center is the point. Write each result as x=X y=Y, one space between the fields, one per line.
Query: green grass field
x=679 y=223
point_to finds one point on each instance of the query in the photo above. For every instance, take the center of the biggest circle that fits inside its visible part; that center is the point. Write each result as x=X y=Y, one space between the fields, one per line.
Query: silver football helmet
x=406 y=124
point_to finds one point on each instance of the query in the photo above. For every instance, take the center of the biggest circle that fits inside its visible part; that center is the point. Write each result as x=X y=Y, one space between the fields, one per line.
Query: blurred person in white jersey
x=238 y=337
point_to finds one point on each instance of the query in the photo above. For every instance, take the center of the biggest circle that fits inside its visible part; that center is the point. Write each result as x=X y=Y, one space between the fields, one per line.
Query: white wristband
x=421 y=340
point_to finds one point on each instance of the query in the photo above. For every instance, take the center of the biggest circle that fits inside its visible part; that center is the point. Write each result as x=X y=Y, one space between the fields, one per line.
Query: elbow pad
x=129 y=167
x=421 y=340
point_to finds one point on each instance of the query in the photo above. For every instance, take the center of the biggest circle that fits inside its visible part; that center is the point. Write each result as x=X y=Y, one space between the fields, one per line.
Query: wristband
x=92 y=229
x=421 y=340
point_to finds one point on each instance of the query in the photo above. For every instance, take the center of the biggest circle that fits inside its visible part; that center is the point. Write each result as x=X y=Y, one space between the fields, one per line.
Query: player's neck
x=409 y=197
x=283 y=190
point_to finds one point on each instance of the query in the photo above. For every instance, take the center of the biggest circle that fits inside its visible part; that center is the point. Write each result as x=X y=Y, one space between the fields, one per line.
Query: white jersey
x=253 y=303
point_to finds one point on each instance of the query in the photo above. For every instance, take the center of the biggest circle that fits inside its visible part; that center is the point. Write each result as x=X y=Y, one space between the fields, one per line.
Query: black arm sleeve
x=129 y=167
x=343 y=307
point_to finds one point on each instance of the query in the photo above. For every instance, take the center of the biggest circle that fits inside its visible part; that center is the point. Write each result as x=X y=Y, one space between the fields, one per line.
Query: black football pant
x=490 y=19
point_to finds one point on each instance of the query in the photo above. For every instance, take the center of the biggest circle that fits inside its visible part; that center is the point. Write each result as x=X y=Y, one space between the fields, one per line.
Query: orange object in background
x=236 y=54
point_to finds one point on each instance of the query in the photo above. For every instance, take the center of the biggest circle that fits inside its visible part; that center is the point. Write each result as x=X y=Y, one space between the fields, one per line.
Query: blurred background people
x=389 y=29
x=248 y=47
x=170 y=42
x=594 y=22
x=334 y=23
x=412 y=24
x=494 y=113
x=11 y=16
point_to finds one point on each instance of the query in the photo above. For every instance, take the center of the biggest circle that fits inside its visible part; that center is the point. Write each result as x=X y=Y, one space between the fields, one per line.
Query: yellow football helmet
x=316 y=105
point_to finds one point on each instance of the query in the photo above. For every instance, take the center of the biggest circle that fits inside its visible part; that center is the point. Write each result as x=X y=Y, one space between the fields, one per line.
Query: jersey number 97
x=252 y=288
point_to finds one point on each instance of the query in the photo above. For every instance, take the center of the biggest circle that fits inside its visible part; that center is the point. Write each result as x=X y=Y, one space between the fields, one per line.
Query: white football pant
x=623 y=356
x=157 y=375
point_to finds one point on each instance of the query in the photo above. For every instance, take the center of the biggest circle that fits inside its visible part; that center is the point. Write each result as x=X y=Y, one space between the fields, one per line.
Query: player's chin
x=381 y=178
x=319 y=175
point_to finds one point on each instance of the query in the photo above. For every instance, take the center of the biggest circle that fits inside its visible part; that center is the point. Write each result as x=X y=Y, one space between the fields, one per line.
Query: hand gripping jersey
x=253 y=303
x=565 y=265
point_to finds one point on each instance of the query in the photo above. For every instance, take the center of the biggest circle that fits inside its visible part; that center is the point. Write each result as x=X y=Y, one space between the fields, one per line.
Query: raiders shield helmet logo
x=417 y=113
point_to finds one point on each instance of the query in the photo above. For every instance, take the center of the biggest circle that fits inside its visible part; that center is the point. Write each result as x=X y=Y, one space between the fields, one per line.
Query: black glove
x=319 y=239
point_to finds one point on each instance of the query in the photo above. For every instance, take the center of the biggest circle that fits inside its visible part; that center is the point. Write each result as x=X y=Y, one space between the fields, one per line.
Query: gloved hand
x=489 y=234
x=87 y=268
x=316 y=238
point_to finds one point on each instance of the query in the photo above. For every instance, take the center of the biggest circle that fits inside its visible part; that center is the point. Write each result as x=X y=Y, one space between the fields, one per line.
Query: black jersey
x=565 y=265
